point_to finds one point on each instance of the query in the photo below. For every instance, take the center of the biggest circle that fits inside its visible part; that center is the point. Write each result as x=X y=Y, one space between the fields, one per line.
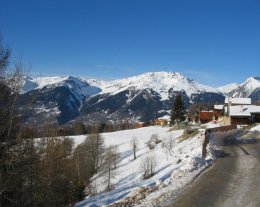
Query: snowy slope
x=256 y=128
x=160 y=82
x=184 y=164
x=102 y=84
x=30 y=83
x=228 y=88
x=247 y=88
x=80 y=88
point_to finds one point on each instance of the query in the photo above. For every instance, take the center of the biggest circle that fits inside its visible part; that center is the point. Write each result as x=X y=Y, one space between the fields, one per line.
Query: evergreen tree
x=178 y=110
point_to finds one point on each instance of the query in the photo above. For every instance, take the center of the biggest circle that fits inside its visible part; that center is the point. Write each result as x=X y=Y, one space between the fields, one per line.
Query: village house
x=206 y=116
x=238 y=111
x=244 y=114
x=241 y=111
x=163 y=121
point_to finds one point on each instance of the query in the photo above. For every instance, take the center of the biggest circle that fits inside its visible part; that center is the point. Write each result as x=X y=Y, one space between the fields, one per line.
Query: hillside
x=174 y=168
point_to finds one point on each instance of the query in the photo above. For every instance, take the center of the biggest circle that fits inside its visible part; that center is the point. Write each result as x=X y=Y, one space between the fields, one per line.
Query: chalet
x=238 y=101
x=206 y=116
x=241 y=111
x=163 y=121
x=244 y=114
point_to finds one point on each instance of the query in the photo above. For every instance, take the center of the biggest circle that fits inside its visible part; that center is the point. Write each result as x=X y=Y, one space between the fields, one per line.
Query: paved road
x=233 y=180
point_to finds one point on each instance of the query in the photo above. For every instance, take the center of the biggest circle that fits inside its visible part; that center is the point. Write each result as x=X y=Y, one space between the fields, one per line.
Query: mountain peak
x=253 y=78
x=160 y=82
x=252 y=82
x=246 y=88
x=228 y=88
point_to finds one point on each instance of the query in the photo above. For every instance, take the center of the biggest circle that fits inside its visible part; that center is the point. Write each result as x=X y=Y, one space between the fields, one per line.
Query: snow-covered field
x=172 y=172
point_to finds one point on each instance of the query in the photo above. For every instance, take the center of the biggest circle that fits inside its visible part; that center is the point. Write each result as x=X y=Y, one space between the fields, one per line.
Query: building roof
x=244 y=111
x=245 y=101
x=219 y=107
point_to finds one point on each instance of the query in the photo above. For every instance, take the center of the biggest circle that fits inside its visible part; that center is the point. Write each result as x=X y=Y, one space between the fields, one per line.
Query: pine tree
x=178 y=110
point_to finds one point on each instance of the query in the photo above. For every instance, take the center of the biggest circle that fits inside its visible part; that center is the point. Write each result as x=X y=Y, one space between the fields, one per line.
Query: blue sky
x=214 y=42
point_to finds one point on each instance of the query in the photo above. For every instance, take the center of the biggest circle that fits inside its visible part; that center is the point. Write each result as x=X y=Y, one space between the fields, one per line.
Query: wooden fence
x=209 y=131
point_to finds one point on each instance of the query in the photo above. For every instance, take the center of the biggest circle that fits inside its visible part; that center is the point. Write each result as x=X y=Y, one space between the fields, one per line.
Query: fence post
x=205 y=143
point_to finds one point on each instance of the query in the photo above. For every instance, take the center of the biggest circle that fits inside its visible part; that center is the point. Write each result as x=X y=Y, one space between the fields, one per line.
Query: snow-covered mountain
x=102 y=84
x=160 y=82
x=53 y=99
x=142 y=97
x=146 y=96
x=228 y=88
x=249 y=88
x=79 y=87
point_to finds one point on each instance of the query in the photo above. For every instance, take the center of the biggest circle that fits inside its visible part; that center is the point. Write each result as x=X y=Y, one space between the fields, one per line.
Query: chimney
x=241 y=108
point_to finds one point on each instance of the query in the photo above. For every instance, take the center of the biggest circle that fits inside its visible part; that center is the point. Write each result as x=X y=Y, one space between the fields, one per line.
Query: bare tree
x=10 y=86
x=5 y=54
x=99 y=145
x=134 y=144
x=109 y=165
x=168 y=144
x=115 y=161
x=148 y=165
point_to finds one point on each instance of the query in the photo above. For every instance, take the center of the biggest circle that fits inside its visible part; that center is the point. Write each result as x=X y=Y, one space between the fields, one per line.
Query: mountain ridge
x=143 y=97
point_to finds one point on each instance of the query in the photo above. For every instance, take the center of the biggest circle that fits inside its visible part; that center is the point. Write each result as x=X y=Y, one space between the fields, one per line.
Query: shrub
x=153 y=141
x=168 y=144
x=188 y=133
x=179 y=126
x=148 y=166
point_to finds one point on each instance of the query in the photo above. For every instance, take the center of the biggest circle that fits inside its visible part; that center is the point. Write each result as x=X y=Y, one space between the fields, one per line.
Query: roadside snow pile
x=176 y=164
x=256 y=128
x=191 y=165
x=212 y=124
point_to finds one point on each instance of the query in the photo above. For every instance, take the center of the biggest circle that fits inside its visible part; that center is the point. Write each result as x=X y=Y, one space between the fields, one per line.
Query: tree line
x=76 y=127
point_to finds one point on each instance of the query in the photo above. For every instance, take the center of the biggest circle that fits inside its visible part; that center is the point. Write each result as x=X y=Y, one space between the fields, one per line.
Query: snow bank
x=212 y=124
x=256 y=128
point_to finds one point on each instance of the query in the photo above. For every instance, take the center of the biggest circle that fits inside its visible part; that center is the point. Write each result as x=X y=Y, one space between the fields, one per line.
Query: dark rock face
x=56 y=104
x=59 y=104
x=124 y=105
x=145 y=104
x=210 y=98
